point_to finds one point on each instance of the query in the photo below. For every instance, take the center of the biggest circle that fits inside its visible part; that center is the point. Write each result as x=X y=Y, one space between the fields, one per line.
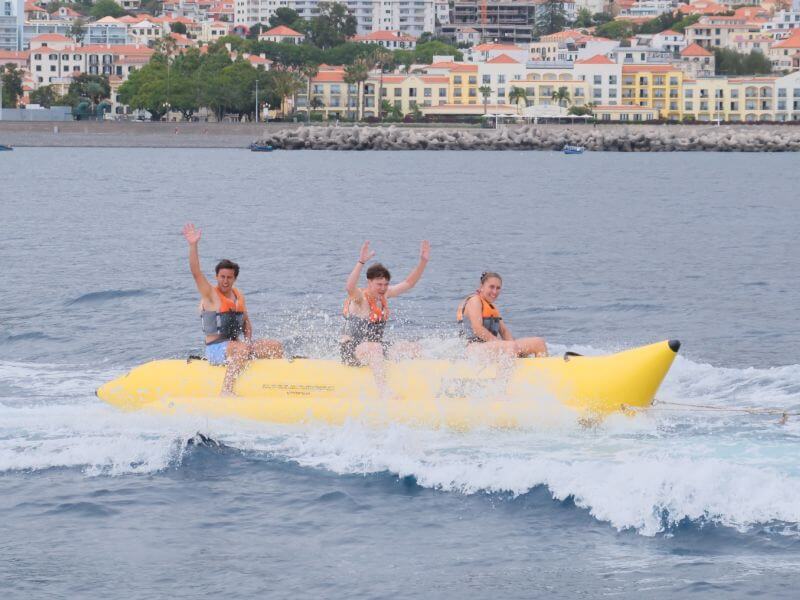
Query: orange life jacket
x=227 y=323
x=489 y=314
x=377 y=314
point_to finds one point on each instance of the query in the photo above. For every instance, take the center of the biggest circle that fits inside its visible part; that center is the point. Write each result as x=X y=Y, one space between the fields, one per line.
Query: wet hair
x=488 y=275
x=227 y=264
x=377 y=271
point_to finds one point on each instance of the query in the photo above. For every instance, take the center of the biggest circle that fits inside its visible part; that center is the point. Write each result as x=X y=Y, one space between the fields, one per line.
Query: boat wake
x=651 y=473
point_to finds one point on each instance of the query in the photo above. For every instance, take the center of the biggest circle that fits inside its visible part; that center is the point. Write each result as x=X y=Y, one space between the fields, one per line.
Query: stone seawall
x=601 y=138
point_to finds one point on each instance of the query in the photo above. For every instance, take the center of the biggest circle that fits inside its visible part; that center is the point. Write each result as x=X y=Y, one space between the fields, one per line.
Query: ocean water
x=599 y=252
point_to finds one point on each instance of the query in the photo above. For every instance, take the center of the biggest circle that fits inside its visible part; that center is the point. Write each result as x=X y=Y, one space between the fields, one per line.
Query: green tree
x=485 y=92
x=424 y=53
x=332 y=26
x=584 y=18
x=77 y=30
x=517 y=94
x=309 y=71
x=550 y=17
x=615 y=30
x=602 y=17
x=45 y=96
x=288 y=17
x=356 y=74
x=12 y=85
x=732 y=63
x=146 y=88
x=579 y=111
x=178 y=27
x=285 y=84
x=561 y=97
x=382 y=59
x=106 y=8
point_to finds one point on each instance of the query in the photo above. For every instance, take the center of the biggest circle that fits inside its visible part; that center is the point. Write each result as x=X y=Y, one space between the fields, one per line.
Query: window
x=487 y=79
x=598 y=79
x=734 y=93
x=473 y=80
x=412 y=92
x=53 y=57
x=687 y=106
x=703 y=105
x=781 y=92
x=336 y=89
x=398 y=92
x=501 y=92
x=427 y=92
x=612 y=92
x=734 y=106
x=500 y=79
x=457 y=92
x=457 y=80
x=473 y=92
x=597 y=93
x=781 y=104
x=612 y=80
x=673 y=81
x=442 y=92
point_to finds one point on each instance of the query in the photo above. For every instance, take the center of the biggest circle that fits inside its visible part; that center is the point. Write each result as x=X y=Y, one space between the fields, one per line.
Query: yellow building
x=407 y=92
x=747 y=99
x=654 y=86
x=463 y=81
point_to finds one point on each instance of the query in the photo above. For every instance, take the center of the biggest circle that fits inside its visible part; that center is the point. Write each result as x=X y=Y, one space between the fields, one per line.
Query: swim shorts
x=216 y=354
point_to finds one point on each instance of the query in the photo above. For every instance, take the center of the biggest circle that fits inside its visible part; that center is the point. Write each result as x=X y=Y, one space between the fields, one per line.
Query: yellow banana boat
x=419 y=392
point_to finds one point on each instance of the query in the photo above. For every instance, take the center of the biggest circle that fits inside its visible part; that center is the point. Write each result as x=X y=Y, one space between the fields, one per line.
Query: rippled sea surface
x=599 y=252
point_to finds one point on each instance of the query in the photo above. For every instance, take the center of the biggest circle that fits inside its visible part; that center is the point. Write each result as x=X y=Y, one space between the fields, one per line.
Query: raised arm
x=352 y=280
x=192 y=236
x=413 y=277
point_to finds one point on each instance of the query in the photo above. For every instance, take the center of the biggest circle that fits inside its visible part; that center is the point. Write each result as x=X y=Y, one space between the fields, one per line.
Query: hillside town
x=401 y=60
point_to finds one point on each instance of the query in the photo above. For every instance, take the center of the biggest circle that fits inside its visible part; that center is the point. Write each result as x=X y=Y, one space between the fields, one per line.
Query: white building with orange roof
x=221 y=11
x=211 y=31
x=145 y=30
x=50 y=65
x=719 y=30
x=783 y=21
x=603 y=78
x=65 y=13
x=490 y=50
x=696 y=61
x=18 y=58
x=35 y=13
x=391 y=40
x=648 y=9
x=107 y=30
x=54 y=41
x=782 y=53
x=280 y=34
x=500 y=74
x=702 y=7
x=669 y=40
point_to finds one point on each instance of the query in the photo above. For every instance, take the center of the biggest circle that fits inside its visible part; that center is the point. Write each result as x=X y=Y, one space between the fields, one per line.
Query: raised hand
x=191 y=234
x=366 y=254
x=425 y=250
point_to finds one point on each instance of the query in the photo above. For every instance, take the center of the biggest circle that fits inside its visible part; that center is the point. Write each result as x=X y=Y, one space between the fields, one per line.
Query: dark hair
x=488 y=275
x=377 y=271
x=227 y=264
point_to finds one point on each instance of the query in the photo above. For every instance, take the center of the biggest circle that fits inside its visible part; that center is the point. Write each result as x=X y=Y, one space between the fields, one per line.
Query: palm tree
x=562 y=95
x=382 y=58
x=356 y=74
x=516 y=94
x=285 y=84
x=309 y=71
x=485 y=91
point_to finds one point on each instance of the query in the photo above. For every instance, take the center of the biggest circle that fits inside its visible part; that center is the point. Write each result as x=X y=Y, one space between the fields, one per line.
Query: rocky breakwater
x=609 y=138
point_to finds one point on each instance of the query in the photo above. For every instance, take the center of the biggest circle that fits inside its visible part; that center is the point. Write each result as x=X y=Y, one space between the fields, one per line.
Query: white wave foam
x=736 y=470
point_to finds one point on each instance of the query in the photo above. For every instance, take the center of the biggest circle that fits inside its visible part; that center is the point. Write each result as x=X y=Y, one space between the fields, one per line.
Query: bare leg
x=403 y=349
x=238 y=353
x=530 y=346
x=370 y=354
x=266 y=349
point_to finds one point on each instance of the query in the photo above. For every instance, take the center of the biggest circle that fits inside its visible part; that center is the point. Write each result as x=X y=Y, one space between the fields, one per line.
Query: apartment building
x=498 y=20
x=653 y=86
x=12 y=23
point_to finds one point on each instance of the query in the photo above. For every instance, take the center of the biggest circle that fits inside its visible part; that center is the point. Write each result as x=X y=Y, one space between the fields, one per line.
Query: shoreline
x=292 y=136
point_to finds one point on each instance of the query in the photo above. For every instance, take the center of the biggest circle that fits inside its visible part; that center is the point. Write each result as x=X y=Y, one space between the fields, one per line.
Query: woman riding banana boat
x=414 y=391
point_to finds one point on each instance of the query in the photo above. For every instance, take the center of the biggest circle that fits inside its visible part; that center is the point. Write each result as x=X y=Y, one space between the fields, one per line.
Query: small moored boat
x=260 y=148
x=4 y=147
x=573 y=149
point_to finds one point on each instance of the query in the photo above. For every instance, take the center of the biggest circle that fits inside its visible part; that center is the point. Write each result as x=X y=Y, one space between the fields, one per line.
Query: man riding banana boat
x=366 y=312
x=226 y=323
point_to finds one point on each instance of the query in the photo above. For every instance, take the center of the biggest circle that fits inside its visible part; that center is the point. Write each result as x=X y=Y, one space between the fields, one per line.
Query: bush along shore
x=616 y=139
